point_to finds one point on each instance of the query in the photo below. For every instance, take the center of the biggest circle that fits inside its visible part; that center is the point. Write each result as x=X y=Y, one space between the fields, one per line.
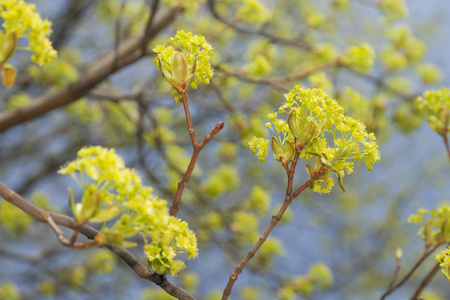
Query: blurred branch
x=139 y=268
x=69 y=19
x=425 y=282
x=273 y=38
x=278 y=81
x=127 y=53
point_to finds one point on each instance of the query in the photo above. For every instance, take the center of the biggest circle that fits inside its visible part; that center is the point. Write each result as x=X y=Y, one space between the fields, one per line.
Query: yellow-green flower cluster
x=404 y=42
x=188 y=5
x=224 y=180
x=259 y=146
x=262 y=55
x=253 y=11
x=8 y=290
x=429 y=73
x=443 y=258
x=435 y=224
x=393 y=9
x=319 y=277
x=112 y=192
x=60 y=71
x=314 y=117
x=435 y=105
x=21 y=18
x=360 y=57
x=194 y=48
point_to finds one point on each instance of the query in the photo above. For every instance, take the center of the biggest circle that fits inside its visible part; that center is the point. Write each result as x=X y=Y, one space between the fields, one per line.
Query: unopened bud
x=219 y=126
x=8 y=75
x=289 y=153
x=179 y=66
x=311 y=170
x=176 y=95
x=9 y=47
x=277 y=149
x=398 y=253
x=308 y=133
x=292 y=121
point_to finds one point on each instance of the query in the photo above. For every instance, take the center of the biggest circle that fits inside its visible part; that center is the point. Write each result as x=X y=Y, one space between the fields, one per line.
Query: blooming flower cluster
x=21 y=18
x=360 y=57
x=443 y=258
x=114 y=193
x=436 y=228
x=393 y=9
x=196 y=53
x=188 y=5
x=314 y=120
x=435 y=105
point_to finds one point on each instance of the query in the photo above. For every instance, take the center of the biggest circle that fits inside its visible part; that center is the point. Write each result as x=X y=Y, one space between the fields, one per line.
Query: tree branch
x=425 y=281
x=197 y=148
x=274 y=221
x=128 y=52
x=138 y=267
x=411 y=272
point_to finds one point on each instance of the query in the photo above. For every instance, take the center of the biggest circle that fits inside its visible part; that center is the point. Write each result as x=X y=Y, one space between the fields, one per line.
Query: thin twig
x=444 y=132
x=197 y=148
x=63 y=240
x=117 y=29
x=446 y=144
x=397 y=270
x=153 y=9
x=425 y=255
x=276 y=82
x=425 y=281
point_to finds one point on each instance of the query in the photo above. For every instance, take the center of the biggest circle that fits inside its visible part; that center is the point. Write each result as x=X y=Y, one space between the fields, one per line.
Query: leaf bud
x=8 y=75
x=9 y=47
x=176 y=95
x=398 y=253
x=179 y=67
x=289 y=153
x=308 y=133
x=277 y=149
x=292 y=121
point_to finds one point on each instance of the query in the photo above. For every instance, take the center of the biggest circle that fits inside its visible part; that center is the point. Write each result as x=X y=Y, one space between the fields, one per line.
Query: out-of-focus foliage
x=360 y=69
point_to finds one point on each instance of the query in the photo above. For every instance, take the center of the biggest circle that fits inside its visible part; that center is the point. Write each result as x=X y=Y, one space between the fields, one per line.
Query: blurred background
x=231 y=196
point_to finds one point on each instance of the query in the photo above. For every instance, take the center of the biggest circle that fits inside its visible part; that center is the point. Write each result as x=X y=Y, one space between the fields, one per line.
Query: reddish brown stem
x=274 y=221
x=411 y=272
x=397 y=269
x=444 y=135
x=425 y=281
x=76 y=232
x=197 y=148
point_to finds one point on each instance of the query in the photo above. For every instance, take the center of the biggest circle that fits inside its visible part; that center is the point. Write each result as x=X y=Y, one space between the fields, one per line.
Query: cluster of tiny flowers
x=253 y=11
x=113 y=192
x=318 y=117
x=393 y=9
x=434 y=101
x=434 y=228
x=360 y=57
x=443 y=258
x=188 y=5
x=21 y=18
x=435 y=105
x=194 y=47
